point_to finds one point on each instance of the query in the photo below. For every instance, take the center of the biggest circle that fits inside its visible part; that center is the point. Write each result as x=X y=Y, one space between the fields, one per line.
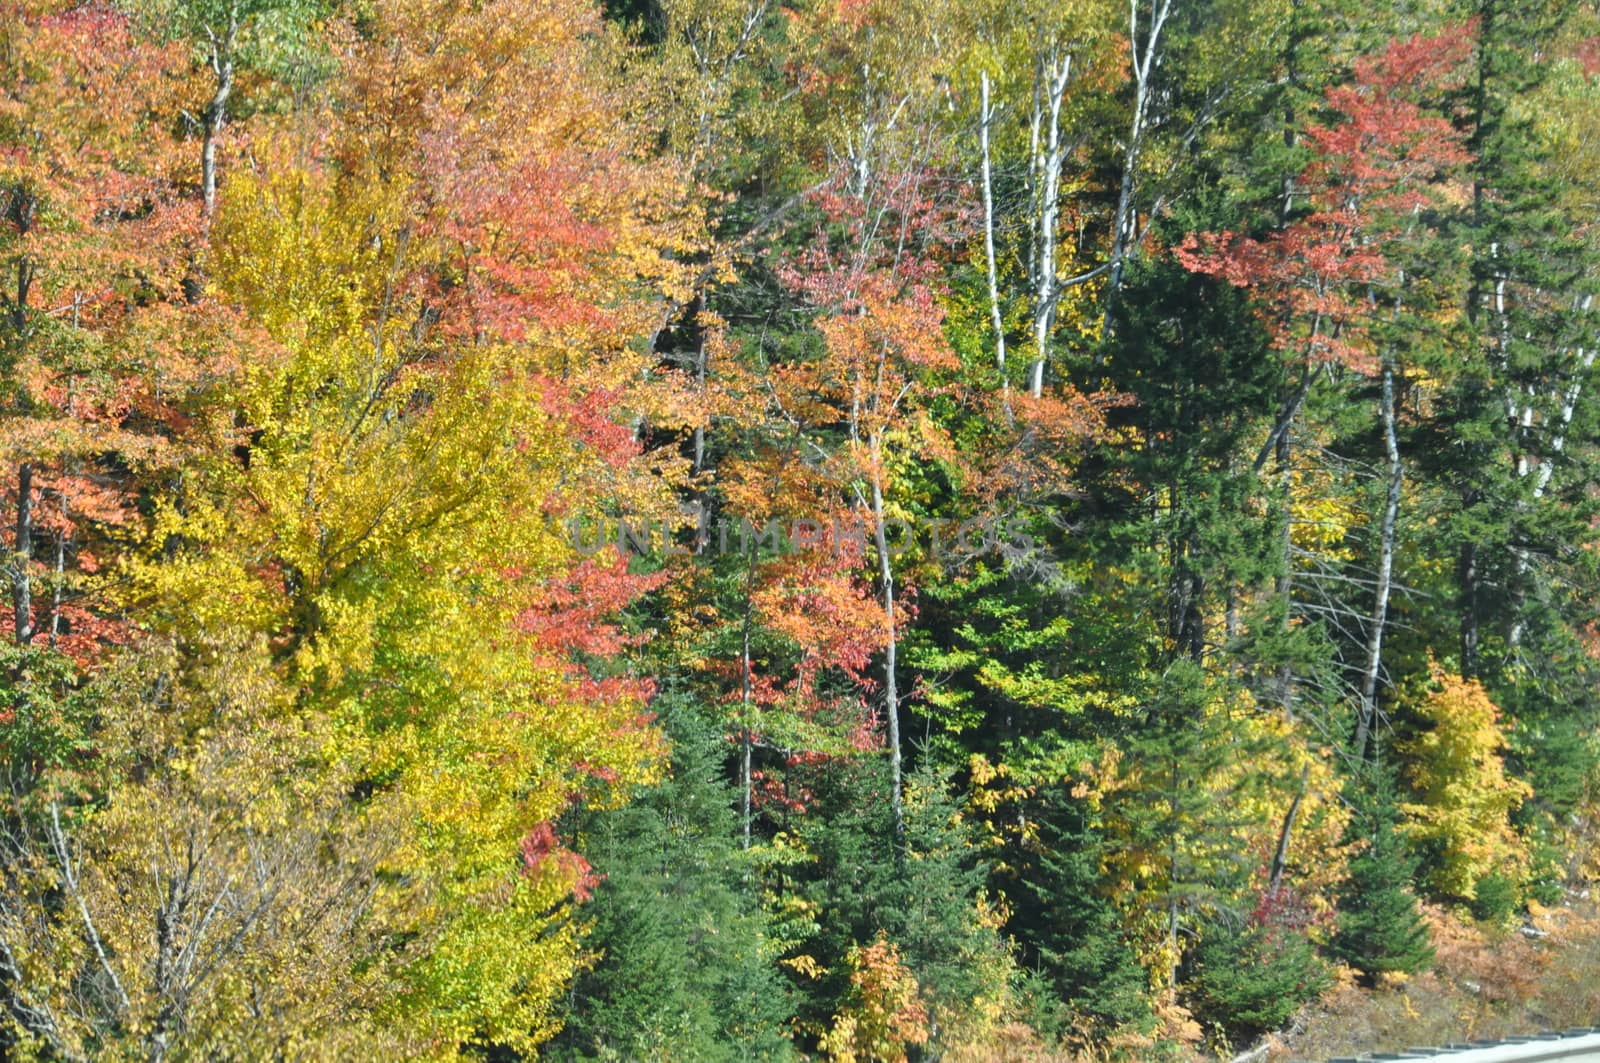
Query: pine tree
x=1518 y=417
x=1380 y=928
x=927 y=902
x=679 y=938
x=1069 y=929
x=1251 y=979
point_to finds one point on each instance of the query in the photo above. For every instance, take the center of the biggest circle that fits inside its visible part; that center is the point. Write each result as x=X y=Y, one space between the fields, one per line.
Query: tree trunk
x=1185 y=595
x=56 y=590
x=216 y=112
x=19 y=309
x=1142 y=63
x=1284 y=585
x=891 y=690
x=1047 y=165
x=1280 y=856
x=1546 y=471
x=20 y=213
x=1467 y=578
x=22 y=556
x=701 y=358
x=1373 y=662
x=746 y=735
x=996 y=318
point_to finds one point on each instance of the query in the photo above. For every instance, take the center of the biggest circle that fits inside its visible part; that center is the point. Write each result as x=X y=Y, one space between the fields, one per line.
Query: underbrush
x=1488 y=981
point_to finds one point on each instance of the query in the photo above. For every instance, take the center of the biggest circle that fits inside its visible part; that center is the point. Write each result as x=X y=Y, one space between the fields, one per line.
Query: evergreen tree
x=1181 y=822
x=946 y=936
x=681 y=969
x=1380 y=928
x=1069 y=930
x=1203 y=378
x=1251 y=979
x=1514 y=442
x=928 y=901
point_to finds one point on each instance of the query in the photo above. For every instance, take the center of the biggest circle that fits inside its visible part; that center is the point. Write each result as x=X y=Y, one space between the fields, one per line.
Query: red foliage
x=98 y=214
x=1588 y=55
x=1284 y=910
x=592 y=416
x=572 y=618
x=1372 y=170
x=521 y=248
x=541 y=848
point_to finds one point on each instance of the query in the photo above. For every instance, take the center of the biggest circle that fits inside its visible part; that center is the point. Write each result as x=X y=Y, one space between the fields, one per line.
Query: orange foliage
x=1371 y=172
x=884 y=1014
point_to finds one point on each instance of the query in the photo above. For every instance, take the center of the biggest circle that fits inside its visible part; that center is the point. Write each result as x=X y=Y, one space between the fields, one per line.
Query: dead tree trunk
x=1372 y=664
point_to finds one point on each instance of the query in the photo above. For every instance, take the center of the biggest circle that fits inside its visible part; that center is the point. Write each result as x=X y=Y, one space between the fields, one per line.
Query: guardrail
x=1579 y=1045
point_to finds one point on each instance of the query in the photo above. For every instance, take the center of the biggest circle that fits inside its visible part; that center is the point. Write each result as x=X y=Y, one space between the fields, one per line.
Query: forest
x=969 y=530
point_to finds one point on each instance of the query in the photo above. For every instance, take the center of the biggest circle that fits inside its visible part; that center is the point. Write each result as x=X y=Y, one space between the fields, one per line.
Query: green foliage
x=321 y=739
x=1252 y=979
x=1186 y=807
x=928 y=899
x=50 y=717
x=1381 y=930
x=682 y=964
x=1070 y=932
x=1496 y=898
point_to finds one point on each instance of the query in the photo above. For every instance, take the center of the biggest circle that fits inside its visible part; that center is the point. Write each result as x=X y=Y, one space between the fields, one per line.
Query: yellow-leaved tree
x=884 y=1014
x=371 y=672
x=1464 y=798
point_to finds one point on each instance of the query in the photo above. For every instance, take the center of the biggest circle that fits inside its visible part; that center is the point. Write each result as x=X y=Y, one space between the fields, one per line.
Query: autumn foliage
x=1375 y=167
x=714 y=529
x=1464 y=796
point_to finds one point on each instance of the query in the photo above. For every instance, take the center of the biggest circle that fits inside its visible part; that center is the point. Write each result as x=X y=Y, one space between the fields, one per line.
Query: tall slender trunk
x=1280 y=446
x=701 y=359
x=1468 y=571
x=1467 y=580
x=1373 y=662
x=19 y=308
x=216 y=112
x=1185 y=595
x=746 y=728
x=22 y=556
x=1280 y=856
x=1142 y=62
x=1047 y=164
x=20 y=211
x=700 y=428
x=996 y=318
x=891 y=690
x=56 y=589
x=1284 y=585
x=1546 y=471
x=1172 y=873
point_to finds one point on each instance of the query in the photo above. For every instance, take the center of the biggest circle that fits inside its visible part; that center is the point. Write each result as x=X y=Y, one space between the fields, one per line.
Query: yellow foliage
x=381 y=522
x=883 y=1014
x=226 y=891
x=1322 y=513
x=1246 y=799
x=1464 y=796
